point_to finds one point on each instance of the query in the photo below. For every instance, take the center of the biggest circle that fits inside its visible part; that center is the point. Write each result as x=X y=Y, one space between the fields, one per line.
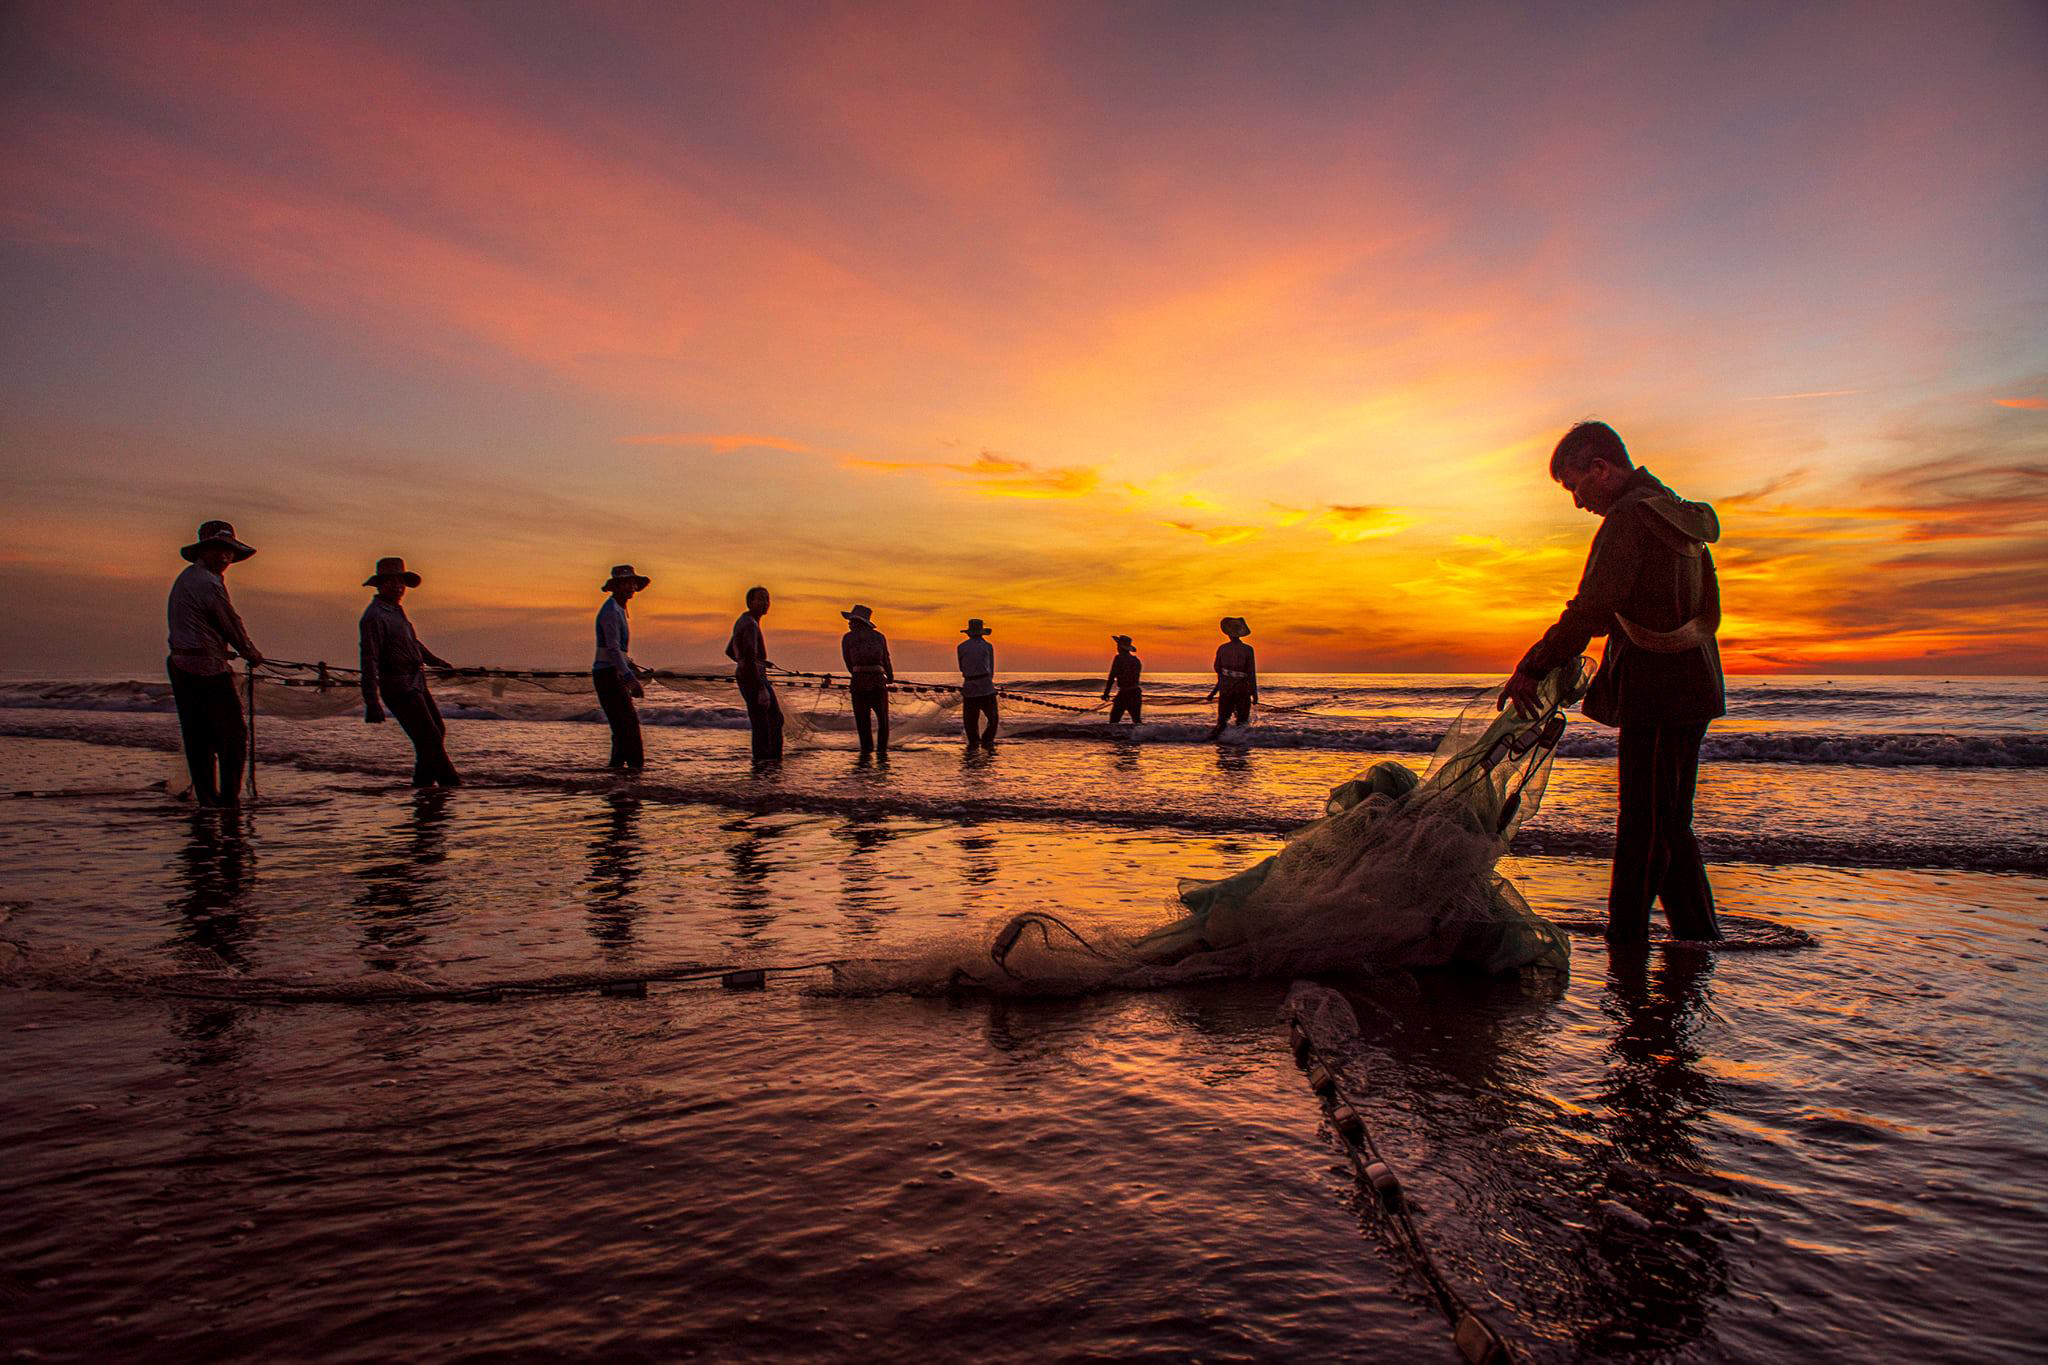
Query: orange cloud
x=723 y=445
x=1000 y=475
x=2031 y=404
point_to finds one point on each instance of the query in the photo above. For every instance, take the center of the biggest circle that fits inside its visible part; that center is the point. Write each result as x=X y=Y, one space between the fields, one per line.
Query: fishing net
x=817 y=709
x=1399 y=873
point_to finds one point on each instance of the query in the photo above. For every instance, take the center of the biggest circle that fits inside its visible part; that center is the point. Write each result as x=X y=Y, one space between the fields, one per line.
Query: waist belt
x=1233 y=673
x=1691 y=635
x=976 y=677
x=199 y=654
x=867 y=668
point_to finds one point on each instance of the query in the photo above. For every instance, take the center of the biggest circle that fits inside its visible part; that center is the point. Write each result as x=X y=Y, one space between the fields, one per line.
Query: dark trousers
x=975 y=710
x=871 y=715
x=1130 y=701
x=627 y=751
x=216 y=741
x=1233 y=708
x=766 y=722
x=416 y=714
x=1656 y=856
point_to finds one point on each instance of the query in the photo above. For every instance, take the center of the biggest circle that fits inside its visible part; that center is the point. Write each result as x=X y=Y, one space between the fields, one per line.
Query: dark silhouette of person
x=401 y=883
x=206 y=632
x=1237 y=677
x=977 y=684
x=1649 y=586
x=866 y=652
x=748 y=649
x=613 y=674
x=1124 y=671
x=394 y=663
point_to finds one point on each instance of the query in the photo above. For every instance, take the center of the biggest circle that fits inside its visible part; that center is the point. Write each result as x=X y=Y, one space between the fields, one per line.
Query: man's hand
x=373 y=715
x=1520 y=689
x=637 y=690
x=253 y=656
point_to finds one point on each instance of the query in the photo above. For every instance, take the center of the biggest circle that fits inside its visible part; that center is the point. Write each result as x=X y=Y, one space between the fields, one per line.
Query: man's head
x=214 y=558
x=757 y=601
x=1592 y=465
x=391 y=589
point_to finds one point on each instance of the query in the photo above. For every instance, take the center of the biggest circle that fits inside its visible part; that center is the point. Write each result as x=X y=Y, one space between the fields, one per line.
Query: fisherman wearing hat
x=394 y=674
x=613 y=674
x=1237 y=677
x=977 y=684
x=748 y=649
x=866 y=652
x=205 y=632
x=1124 y=672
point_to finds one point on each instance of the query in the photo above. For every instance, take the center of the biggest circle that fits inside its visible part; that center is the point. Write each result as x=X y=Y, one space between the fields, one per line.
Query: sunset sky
x=1111 y=317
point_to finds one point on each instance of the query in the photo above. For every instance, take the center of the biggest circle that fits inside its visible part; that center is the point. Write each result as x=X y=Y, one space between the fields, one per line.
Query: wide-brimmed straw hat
x=624 y=571
x=217 y=533
x=975 y=627
x=860 y=614
x=1123 y=641
x=1234 y=625
x=392 y=566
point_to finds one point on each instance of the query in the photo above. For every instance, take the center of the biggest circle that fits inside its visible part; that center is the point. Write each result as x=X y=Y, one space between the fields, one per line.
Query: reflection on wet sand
x=615 y=862
x=1659 y=1260
x=750 y=855
x=211 y=928
x=401 y=884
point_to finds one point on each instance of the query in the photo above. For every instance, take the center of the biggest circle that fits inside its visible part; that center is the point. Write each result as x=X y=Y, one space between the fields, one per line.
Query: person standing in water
x=394 y=674
x=748 y=649
x=1649 y=586
x=1124 y=671
x=1237 y=677
x=206 y=632
x=866 y=652
x=977 y=685
x=612 y=673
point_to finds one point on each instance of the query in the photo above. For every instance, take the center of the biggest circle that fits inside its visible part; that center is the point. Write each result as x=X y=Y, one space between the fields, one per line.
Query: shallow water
x=1829 y=1153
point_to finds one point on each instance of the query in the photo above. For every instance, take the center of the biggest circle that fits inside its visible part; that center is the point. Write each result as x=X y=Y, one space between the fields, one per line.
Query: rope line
x=1476 y=1339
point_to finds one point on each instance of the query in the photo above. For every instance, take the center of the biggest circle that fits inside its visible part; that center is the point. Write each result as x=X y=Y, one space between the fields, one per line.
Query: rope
x=633 y=986
x=249 y=697
x=1476 y=1339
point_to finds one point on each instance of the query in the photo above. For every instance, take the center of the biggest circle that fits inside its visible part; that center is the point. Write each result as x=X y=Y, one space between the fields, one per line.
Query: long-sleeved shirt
x=1124 y=672
x=393 y=659
x=977 y=667
x=866 y=652
x=748 y=649
x=204 y=626
x=1648 y=574
x=1236 y=668
x=614 y=635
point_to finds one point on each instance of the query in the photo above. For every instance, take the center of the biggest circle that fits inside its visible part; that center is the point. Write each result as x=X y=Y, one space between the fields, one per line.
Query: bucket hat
x=217 y=533
x=975 y=627
x=392 y=566
x=621 y=571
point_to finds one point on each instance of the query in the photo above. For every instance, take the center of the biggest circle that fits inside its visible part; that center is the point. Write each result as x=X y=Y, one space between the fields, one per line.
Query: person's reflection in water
x=399 y=888
x=210 y=927
x=615 y=858
x=214 y=868
x=1659 y=1256
x=754 y=909
x=861 y=895
x=978 y=864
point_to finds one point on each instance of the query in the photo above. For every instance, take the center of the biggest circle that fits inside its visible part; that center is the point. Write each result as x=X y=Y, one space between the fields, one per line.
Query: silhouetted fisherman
x=1649 y=586
x=748 y=649
x=613 y=673
x=1124 y=671
x=395 y=678
x=866 y=652
x=977 y=684
x=1237 y=677
x=206 y=632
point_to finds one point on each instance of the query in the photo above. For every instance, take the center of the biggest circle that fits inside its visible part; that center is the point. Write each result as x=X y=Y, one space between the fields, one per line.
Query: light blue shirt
x=614 y=634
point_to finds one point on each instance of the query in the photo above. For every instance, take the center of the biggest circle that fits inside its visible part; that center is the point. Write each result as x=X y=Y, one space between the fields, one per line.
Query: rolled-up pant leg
x=216 y=740
x=622 y=715
x=1656 y=854
x=421 y=720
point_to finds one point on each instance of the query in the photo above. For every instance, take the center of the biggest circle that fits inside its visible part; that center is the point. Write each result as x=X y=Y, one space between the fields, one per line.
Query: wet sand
x=1826 y=1153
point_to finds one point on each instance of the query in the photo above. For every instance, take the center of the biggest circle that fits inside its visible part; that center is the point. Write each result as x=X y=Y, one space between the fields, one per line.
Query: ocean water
x=1827 y=1153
